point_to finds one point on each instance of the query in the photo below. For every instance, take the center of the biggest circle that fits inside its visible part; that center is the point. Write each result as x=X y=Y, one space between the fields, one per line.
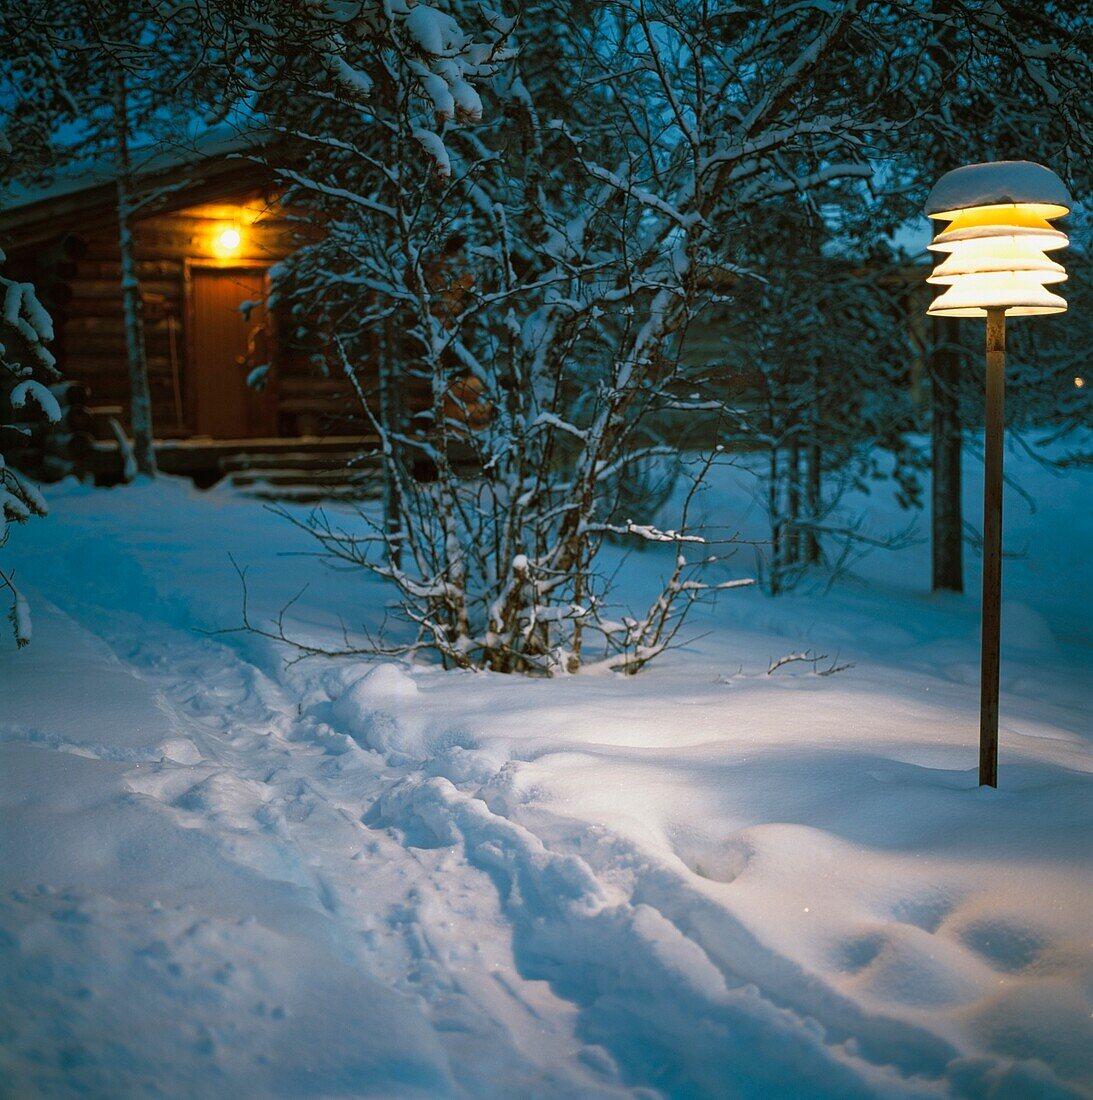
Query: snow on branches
x=512 y=312
x=26 y=368
x=347 y=58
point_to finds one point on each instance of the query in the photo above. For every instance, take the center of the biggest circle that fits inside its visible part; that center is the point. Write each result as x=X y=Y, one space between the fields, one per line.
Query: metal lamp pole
x=992 y=548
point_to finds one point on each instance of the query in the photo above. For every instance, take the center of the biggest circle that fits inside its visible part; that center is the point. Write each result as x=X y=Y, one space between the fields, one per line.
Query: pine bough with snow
x=26 y=369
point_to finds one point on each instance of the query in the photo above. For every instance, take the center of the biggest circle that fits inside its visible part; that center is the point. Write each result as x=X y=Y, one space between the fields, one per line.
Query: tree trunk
x=813 y=502
x=136 y=359
x=813 y=555
x=390 y=421
x=946 y=512
x=793 y=506
x=777 y=532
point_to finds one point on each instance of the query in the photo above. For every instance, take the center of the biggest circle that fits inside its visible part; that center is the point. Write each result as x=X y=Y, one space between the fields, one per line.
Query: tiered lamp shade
x=994 y=249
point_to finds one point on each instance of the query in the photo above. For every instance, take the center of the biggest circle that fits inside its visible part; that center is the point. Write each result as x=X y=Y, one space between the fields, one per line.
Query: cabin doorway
x=226 y=345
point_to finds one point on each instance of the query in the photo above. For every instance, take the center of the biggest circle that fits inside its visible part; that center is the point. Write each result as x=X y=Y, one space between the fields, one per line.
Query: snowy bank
x=227 y=876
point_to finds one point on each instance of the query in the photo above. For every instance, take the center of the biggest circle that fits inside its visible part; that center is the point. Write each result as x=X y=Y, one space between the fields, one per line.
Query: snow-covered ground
x=221 y=876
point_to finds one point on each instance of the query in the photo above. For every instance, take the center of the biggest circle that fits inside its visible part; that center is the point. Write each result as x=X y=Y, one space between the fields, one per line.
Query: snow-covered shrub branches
x=538 y=294
x=288 y=59
x=26 y=371
x=511 y=301
x=462 y=277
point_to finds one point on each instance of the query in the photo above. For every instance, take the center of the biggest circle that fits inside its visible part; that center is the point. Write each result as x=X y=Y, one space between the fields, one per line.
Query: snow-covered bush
x=520 y=248
x=26 y=370
x=534 y=285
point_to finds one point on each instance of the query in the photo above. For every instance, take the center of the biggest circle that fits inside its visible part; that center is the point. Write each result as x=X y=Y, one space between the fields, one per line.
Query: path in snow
x=208 y=906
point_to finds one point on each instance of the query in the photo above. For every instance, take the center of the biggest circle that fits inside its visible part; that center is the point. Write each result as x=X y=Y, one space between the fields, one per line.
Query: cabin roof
x=175 y=174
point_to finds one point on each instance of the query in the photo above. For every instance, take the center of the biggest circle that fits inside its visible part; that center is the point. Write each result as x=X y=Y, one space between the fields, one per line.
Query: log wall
x=87 y=309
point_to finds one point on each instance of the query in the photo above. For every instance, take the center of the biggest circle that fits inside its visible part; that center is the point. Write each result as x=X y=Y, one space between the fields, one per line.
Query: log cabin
x=209 y=231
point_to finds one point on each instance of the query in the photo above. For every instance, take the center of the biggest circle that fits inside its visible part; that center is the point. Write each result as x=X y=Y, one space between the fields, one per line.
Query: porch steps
x=305 y=469
x=304 y=476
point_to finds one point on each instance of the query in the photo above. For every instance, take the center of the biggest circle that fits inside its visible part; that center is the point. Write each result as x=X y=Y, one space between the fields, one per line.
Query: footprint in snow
x=927 y=912
x=1005 y=945
x=712 y=859
x=858 y=952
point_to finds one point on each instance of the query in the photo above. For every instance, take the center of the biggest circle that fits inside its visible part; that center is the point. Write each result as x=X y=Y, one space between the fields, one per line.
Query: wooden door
x=225 y=346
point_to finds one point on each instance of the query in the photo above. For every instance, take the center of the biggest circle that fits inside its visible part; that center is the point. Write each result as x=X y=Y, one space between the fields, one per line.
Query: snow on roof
x=997 y=182
x=86 y=174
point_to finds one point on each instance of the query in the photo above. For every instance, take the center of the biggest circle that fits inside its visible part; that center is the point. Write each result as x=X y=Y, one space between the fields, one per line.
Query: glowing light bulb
x=228 y=241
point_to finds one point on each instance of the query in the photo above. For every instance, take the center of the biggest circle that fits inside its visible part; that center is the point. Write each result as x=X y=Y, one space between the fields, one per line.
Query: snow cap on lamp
x=998 y=239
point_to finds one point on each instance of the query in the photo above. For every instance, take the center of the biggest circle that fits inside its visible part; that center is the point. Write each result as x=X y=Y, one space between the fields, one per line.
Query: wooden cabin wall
x=91 y=337
x=90 y=344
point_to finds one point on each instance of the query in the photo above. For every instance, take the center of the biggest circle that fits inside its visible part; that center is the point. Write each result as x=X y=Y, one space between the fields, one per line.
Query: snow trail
x=233 y=764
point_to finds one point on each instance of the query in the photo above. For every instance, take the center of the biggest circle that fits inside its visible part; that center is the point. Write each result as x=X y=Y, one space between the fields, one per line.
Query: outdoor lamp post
x=994 y=262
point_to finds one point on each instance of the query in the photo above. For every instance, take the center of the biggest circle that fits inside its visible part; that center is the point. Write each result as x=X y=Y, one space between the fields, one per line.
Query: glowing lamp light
x=994 y=262
x=994 y=249
x=227 y=241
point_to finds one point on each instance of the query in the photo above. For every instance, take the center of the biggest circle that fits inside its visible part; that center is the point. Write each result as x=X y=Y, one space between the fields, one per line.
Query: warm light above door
x=228 y=240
